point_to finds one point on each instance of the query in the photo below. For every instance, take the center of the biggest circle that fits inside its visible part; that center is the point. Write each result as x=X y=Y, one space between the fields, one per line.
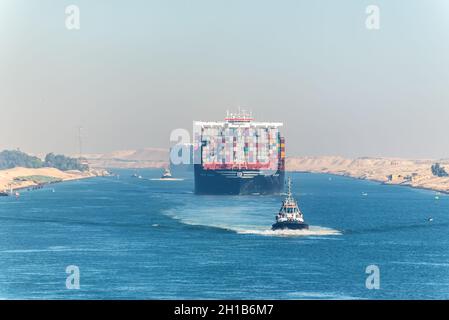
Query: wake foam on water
x=241 y=215
x=263 y=231
x=312 y=231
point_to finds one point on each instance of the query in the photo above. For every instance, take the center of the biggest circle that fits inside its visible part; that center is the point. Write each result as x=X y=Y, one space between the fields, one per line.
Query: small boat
x=167 y=176
x=6 y=193
x=289 y=216
x=430 y=219
x=135 y=175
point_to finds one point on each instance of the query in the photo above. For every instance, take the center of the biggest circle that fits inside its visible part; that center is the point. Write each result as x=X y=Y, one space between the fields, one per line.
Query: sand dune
x=414 y=173
x=141 y=158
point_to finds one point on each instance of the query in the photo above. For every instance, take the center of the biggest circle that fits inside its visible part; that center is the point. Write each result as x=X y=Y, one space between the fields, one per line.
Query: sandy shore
x=412 y=173
x=9 y=178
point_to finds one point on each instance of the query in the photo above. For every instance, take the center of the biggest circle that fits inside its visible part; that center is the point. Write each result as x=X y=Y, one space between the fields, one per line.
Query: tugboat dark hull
x=289 y=226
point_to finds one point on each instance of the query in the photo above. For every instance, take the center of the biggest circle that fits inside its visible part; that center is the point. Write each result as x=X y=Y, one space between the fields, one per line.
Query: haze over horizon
x=137 y=70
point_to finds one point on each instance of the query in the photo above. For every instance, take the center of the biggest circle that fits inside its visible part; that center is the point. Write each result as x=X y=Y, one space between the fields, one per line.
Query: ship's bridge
x=240 y=119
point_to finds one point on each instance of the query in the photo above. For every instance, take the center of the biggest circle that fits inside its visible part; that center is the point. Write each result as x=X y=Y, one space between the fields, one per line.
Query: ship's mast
x=289 y=190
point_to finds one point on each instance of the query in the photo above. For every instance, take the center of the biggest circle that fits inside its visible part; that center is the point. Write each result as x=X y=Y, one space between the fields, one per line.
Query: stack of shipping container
x=240 y=147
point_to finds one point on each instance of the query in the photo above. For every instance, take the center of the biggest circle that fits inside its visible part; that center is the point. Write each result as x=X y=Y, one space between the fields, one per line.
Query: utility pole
x=80 y=142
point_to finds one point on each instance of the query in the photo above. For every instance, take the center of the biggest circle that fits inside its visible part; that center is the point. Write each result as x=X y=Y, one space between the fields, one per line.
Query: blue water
x=136 y=238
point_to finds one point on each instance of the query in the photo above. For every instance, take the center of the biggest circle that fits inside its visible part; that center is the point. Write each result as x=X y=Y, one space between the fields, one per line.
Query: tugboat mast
x=289 y=199
x=289 y=190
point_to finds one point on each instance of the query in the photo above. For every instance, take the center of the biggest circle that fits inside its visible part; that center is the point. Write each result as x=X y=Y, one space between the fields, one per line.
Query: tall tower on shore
x=81 y=159
x=80 y=142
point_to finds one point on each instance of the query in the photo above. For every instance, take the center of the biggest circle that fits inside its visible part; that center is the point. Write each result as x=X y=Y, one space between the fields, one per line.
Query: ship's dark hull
x=288 y=225
x=237 y=182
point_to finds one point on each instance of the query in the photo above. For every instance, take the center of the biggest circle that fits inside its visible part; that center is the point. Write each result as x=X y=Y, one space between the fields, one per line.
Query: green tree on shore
x=438 y=170
x=64 y=163
x=16 y=158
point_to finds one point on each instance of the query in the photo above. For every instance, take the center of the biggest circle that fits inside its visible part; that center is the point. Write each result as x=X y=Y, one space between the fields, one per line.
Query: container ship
x=238 y=156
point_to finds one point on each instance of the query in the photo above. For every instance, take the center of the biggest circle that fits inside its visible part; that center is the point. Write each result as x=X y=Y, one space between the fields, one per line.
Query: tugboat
x=166 y=174
x=289 y=216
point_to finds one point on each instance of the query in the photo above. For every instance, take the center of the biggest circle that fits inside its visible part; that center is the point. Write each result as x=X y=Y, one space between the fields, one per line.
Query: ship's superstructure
x=238 y=156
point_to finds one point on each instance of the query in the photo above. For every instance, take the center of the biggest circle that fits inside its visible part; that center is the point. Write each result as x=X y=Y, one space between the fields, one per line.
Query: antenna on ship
x=289 y=192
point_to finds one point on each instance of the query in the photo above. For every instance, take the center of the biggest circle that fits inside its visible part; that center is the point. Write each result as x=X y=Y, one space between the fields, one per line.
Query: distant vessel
x=6 y=193
x=289 y=216
x=238 y=156
x=135 y=175
x=166 y=174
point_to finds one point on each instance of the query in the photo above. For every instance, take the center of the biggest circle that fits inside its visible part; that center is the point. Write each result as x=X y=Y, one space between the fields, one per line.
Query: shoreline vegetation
x=19 y=170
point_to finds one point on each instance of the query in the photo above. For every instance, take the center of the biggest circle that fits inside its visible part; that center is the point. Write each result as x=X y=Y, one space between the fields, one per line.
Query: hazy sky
x=138 y=69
